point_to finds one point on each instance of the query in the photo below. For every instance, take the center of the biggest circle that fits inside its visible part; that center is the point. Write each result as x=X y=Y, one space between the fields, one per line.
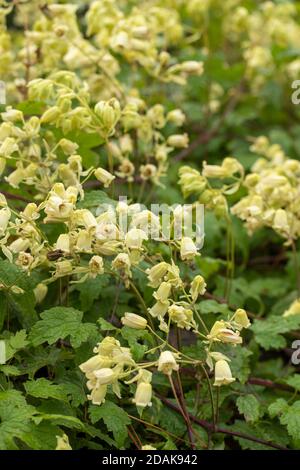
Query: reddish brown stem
x=214 y=430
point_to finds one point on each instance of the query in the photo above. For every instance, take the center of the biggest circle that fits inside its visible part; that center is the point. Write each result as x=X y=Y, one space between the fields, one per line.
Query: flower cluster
x=113 y=364
x=273 y=192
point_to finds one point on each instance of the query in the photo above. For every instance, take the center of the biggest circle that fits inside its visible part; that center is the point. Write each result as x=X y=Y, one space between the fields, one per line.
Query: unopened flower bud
x=51 y=115
x=134 y=321
x=176 y=116
x=104 y=176
x=40 y=292
x=178 y=140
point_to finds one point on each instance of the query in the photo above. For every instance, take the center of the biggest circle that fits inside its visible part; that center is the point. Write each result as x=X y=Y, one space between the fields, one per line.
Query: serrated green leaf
x=278 y=407
x=290 y=417
x=133 y=336
x=114 y=417
x=15 y=415
x=22 y=304
x=43 y=388
x=91 y=290
x=248 y=405
x=96 y=198
x=15 y=343
x=105 y=325
x=268 y=332
x=211 y=306
x=294 y=381
x=41 y=436
x=10 y=370
x=60 y=323
x=268 y=432
x=62 y=420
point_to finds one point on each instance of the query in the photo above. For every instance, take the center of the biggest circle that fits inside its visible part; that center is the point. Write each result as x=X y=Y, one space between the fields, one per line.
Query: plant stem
x=210 y=428
x=211 y=396
x=141 y=300
x=296 y=264
x=183 y=413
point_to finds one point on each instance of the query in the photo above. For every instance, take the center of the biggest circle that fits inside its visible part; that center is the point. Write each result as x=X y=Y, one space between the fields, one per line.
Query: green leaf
x=60 y=323
x=30 y=108
x=114 y=417
x=91 y=290
x=269 y=432
x=10 y=370
x=240 y=362
x=43 y=356
x=43 y=388
x=15 y=343
x=63 y=420
x=94 y=199
x=41 y=436
x=291 y=418
x=12 y=396
x=211 y=306
x=171 y=421
x=268 y=332
x=22 y=304
x=15 y=422
x=105 y=325
x=15 y=415
x=277 y=408
x=248 y=405
x=294 y=381
x=133 y=336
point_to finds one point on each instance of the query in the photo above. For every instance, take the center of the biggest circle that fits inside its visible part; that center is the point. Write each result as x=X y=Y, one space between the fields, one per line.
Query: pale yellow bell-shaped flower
x=188 y=249
x=63 y=242
x=156 y=273
x=134 y=239
x=167 y=363
x=95 y=363
x=241 y=318
x=105 y=376
x=223 y=374
x=4 y=219
x=97 y=396
x=96 y=266
x=198 y=287
x=159 y=309
x=163 y=292
x=143 y=395
x=220 y=332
